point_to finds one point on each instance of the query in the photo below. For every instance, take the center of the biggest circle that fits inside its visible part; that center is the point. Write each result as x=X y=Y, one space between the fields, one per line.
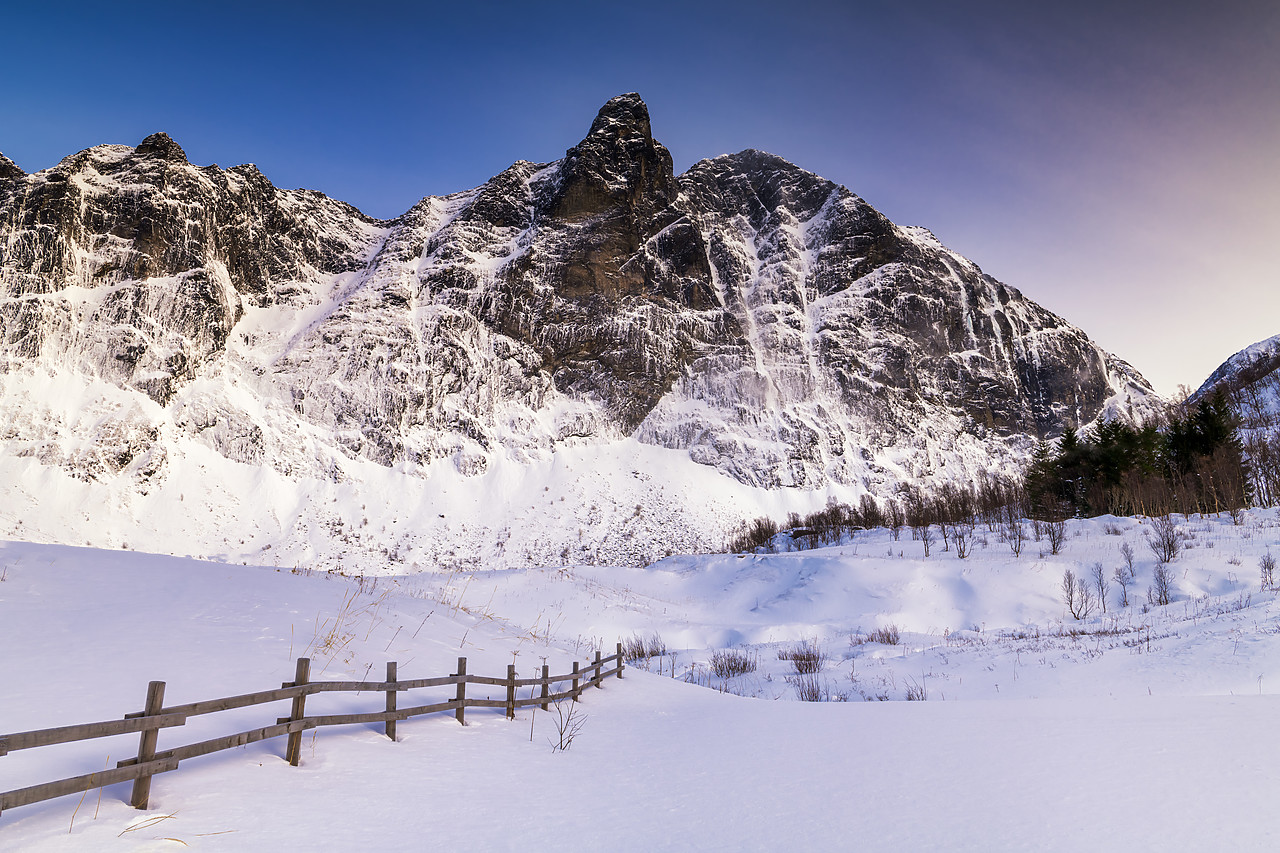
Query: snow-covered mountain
x=1251 y=378
x=671 y=353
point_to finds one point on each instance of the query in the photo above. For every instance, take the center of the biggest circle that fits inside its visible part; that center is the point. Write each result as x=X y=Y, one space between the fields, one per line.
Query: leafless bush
x=1077 y=595
x=923 y=532
x=1267 y=566
x=1126 y=551
x=754 y=536
x=1237 y=515
x=1056 y=531
x=1123 y=576
x=1161 y=590
x=809 y=687
x=727 y=663
x=916 y=691
x=807 y=657
x=1113 y=530
x=1163 y=539
x=569 y=722
x=962 y=536
x=1015 y=533
x=1099 y=577
x=637 y=647
x=889 y=635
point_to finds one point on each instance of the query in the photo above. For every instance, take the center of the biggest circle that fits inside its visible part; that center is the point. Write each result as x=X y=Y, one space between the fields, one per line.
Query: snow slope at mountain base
x=1137 y=742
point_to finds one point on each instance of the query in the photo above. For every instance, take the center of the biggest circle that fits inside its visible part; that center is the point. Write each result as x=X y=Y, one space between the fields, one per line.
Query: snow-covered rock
x=769 y=325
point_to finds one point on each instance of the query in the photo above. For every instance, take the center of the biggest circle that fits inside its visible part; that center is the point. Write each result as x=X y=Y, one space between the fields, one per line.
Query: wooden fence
x=156 y=716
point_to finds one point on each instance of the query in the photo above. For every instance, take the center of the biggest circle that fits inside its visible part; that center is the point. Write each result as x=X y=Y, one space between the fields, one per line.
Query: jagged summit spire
x=623 y=116
x=618 y=161
x=160 y=145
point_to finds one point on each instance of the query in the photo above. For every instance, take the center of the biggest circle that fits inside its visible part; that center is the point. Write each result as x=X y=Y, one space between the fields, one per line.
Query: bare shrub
x=1113 y=530
x=807 y=657
x=889 y=635
x=1267 y=566
x=1015 y=533
x=1161 y=590
x=1056 y=532
x=924 y=532
x=916 y=691
x=809 y=687
x=637 y=647
x=755 y=536
x=1077 y=595
x=1099 y=577
x=962 y=536
x=1126 y=551
x=569 y=722
x=1123 y=576
x=727 y=663
x=1163 y=539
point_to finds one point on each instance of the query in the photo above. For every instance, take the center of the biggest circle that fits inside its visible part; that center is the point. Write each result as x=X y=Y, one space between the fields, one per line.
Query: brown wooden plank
x=147 y=746
x=293 y=749
x=207 y=747
x=88 y=731
x=609 y=672
x=486 y=703
x=390 y=728
x=461 y=698
x=486 y=679
x=76 y=784
x=419 y=710
x=538 y=700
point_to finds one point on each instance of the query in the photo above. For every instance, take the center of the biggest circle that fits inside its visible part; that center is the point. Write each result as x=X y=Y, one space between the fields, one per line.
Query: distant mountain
x=767 y=325
x=1251 y=378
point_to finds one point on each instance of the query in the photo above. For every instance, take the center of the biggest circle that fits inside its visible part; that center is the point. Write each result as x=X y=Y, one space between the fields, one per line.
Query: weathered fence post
x=546 y=685
x=599 y=669
x=147 y=745
x=391 y=698
x=619 y=660
x=575 y=681
x=462 y=691
x=293 y=748
x=511 y=691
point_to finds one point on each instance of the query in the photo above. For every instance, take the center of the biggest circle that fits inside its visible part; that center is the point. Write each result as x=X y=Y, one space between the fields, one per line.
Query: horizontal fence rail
x=155 y=716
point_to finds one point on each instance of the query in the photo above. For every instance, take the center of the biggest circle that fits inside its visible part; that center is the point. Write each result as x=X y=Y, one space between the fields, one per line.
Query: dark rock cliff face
x=768 y=321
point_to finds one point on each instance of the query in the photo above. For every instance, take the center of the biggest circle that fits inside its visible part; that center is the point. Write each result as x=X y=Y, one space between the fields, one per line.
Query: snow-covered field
x=1141 y=728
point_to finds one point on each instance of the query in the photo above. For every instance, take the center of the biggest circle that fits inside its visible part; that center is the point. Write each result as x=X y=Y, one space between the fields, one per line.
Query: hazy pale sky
x=1116 y=161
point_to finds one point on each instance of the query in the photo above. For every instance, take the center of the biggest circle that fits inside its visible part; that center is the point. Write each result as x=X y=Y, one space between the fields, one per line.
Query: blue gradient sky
x=1117 y=162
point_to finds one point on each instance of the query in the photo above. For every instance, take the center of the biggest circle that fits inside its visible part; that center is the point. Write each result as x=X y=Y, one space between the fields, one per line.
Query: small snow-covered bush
x=809 y=687
x=889 y=635
x=727 y=663
x=807 y=657
x=1267 y=567
x=1163 y=539
x=638 y=648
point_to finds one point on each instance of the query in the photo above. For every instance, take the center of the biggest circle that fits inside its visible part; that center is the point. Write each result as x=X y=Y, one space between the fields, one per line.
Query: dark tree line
x=1194 y=463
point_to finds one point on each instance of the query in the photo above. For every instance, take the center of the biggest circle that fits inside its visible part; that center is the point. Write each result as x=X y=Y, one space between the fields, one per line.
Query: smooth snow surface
x=1144 y=729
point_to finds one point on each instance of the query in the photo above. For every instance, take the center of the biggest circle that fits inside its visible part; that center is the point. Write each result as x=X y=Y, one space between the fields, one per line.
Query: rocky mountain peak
x=623 y=116
x=619 y=161
x=9 y=169
x=162 y=146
